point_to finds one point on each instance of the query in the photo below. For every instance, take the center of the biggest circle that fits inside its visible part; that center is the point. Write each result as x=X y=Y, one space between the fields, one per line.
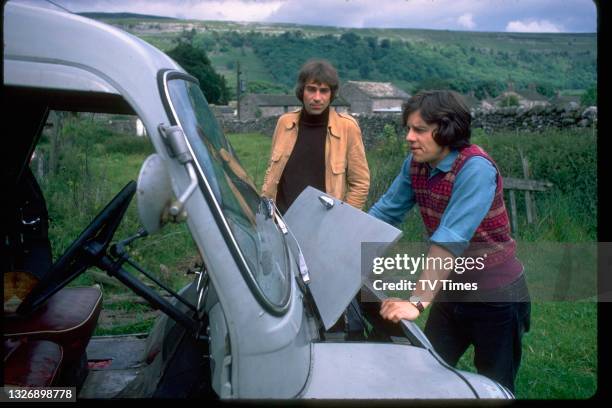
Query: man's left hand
x=396 y=309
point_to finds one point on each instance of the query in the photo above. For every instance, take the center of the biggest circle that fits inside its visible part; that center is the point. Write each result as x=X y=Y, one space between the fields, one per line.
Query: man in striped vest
x=458 y=189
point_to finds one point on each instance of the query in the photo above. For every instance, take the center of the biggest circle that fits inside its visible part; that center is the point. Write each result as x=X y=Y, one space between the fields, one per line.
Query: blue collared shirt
x=471 y=199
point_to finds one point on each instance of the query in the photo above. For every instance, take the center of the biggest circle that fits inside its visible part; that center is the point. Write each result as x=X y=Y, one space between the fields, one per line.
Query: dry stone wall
x=534 y=119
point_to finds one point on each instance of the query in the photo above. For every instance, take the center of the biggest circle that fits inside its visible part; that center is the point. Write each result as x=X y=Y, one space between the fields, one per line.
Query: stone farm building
x=527 y=98
x=373 y=97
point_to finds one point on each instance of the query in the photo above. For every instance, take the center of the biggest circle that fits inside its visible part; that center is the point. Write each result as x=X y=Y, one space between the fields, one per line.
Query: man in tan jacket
x=316 y=146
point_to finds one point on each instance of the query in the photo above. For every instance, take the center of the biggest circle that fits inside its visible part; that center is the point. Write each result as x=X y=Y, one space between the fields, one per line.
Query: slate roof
x=532 y=95
x=380 y=89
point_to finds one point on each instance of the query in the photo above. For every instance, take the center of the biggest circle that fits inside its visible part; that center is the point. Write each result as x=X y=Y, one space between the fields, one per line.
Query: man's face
x=317 y=97
x=422 y=144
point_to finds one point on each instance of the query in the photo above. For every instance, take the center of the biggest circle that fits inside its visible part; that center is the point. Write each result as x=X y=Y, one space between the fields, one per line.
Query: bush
x=567 y=158
x=589 y=97
x=509 y=100
x=385 y=160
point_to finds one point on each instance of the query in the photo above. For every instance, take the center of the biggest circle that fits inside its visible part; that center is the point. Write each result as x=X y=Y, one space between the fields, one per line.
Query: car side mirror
x=154 y=193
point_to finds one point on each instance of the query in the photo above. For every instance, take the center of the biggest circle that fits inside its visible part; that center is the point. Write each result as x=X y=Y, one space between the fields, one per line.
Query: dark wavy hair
x=320 y=71
x=448 y=111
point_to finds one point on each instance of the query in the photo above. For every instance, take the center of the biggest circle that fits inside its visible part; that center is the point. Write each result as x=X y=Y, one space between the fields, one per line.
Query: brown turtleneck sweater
x=306 y=165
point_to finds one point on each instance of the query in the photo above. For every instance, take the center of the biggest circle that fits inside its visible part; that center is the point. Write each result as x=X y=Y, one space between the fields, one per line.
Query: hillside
x=122 y=16
x=483 y=62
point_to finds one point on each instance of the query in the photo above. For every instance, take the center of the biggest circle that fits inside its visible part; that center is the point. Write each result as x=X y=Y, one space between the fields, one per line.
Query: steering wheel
x=83 y=253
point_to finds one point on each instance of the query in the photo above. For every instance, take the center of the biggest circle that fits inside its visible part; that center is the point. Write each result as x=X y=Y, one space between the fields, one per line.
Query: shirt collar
x=447 y=162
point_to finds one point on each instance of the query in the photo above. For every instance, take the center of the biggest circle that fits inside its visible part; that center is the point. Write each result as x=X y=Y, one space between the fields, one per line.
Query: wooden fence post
x=512 y=185
x=513 y=212
x=529 y=199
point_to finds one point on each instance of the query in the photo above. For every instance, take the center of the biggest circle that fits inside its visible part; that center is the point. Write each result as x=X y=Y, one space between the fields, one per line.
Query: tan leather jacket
x=347 y=176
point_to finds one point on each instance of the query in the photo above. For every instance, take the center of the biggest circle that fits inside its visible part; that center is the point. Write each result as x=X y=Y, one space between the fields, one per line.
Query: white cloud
x=533 y=26
x=233 y=10
x=436 y=14
x=467 y=21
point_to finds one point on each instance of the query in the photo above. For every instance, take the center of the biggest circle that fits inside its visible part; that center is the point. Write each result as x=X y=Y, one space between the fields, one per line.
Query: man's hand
x=396 y=309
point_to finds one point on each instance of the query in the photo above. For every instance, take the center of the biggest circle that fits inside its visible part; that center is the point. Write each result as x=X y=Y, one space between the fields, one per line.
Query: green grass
x=253 y=152
x=251 y=66
x=164 y=42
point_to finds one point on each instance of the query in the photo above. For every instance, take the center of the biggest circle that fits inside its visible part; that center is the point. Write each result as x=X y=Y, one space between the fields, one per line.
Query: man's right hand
x=396 y=309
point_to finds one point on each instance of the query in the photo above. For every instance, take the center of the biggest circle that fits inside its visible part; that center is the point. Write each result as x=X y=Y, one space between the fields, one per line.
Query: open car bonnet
x=330 y=234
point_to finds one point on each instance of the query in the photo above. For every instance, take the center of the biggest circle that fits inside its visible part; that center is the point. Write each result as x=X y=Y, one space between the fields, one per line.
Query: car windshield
x=254 y=238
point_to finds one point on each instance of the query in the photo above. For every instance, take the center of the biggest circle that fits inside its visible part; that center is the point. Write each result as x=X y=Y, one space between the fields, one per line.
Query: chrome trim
x=178 y=205
x=327 y=202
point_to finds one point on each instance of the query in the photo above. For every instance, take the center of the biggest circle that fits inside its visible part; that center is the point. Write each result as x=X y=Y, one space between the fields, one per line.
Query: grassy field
x=256 y=70
x=253 y=151
x=560 y=351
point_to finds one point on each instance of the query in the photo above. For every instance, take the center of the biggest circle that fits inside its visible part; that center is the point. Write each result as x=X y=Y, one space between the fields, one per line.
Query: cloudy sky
x=553 y=16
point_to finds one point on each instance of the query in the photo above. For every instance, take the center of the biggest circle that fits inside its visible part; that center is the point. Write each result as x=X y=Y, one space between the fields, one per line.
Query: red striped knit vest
x=492 y=237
